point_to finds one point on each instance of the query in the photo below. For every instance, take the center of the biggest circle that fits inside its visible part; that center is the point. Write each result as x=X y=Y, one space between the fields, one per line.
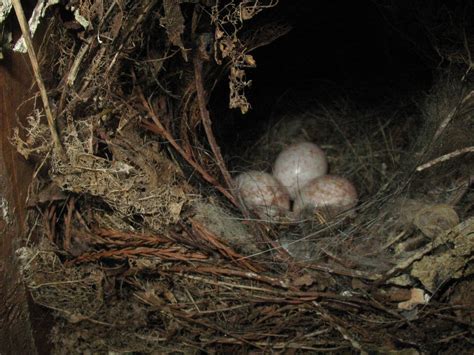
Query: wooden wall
x=21 y=323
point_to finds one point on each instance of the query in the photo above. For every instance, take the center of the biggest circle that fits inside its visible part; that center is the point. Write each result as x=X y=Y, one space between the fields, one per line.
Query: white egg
x=298 y=164
x=263 y=194
x=330 y=193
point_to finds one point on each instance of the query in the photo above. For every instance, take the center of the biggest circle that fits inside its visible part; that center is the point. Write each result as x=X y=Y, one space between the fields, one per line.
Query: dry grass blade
x=37 y=73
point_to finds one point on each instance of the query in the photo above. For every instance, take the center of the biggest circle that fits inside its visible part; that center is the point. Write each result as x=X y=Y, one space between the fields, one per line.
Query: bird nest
x=138 y=244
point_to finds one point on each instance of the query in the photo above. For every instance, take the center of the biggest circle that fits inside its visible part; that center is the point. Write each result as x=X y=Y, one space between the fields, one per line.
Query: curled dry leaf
x=305 y=280
x=433 y=220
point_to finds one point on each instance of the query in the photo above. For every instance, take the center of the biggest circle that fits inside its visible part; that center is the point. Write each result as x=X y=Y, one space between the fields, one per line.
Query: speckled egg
x=298 y=164
x=261 y=193
x=330 y=193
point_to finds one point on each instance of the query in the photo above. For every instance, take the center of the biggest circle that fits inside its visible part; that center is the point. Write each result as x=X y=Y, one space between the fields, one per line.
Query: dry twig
x=37 y=73
x=452 y=114
x=158 y=128
x=165 y=254
x=206 y=121
x=445 y=158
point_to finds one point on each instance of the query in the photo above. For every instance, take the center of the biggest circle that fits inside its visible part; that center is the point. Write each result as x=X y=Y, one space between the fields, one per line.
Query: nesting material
x=140 y=179
x=76 y=292
x=225 y=226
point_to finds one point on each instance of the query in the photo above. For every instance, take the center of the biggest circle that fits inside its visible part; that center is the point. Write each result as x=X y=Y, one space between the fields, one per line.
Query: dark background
x=363 y=50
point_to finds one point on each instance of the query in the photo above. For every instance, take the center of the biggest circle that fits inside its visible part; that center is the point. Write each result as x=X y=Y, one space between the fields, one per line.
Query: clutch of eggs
x=329 y=193
x=261 y=193
x=299 y=164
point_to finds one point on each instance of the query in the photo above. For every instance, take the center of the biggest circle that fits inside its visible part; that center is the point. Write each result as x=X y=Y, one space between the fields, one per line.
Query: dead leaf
x=394 y=294
x=305 y=280
x=250 y=61
x=174 y=24
x=449 y=262
x=433 y=220
x=418 y=296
